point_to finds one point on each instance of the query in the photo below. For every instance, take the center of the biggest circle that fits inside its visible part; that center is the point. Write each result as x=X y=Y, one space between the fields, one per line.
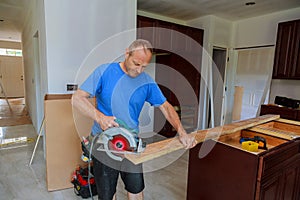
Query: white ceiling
x=14 y=12
x=228 y=9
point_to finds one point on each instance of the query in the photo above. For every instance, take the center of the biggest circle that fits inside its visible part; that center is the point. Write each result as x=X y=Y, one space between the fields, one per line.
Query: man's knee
x=138 y=196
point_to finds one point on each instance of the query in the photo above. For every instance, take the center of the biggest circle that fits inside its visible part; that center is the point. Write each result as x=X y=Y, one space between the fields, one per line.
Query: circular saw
x=117 y=141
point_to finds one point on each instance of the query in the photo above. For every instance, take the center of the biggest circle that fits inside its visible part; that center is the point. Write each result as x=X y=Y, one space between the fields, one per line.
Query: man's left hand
x=188 y=141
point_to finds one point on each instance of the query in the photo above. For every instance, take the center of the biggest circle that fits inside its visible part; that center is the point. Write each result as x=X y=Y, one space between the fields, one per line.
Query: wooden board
x=288 y=135
x=167 y=146
x=287 y=121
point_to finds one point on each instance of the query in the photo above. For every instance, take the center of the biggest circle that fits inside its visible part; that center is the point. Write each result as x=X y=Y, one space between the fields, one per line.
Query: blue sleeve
x=92 y=83
x=155 y=96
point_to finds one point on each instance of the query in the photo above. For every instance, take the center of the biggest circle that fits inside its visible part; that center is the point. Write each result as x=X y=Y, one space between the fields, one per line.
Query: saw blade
x=119 y=143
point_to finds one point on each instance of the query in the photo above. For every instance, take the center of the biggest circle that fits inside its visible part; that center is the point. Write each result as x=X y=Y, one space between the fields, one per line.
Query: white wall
x=33 y=70
x=262 y=30
x=67 y=31
x=285 y=88
x=75 y=27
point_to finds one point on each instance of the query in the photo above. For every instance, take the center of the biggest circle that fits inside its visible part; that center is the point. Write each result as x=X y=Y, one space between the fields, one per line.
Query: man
x=121 y=89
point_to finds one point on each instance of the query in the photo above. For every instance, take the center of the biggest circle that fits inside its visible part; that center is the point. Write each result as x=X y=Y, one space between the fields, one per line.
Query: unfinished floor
x=19 y=180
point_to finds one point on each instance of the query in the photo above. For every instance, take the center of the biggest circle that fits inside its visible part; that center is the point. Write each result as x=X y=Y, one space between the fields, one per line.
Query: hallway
x=18 y=180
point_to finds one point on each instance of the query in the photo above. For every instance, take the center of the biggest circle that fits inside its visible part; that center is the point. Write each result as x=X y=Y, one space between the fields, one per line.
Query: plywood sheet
x=63 y=149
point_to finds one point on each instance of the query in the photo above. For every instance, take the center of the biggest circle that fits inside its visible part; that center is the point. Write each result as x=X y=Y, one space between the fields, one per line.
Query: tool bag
x=80 y=182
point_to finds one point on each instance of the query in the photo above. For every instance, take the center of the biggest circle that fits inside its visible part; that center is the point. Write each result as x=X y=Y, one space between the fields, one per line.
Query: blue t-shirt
x=120 y=95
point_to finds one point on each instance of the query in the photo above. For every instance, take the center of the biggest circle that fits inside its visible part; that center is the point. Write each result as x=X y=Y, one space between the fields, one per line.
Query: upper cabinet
x=146 y=28
x=170 y=37
x=287 y=52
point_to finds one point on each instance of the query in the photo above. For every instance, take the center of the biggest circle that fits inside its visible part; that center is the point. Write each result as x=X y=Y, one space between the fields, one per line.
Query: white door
x=12 y=76
x=254 y=72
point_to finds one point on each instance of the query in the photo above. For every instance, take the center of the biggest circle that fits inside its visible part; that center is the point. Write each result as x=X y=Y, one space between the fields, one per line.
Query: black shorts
x=106 y=173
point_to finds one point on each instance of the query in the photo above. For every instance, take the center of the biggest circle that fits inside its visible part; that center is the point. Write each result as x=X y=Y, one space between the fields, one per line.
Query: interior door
x=12 y=76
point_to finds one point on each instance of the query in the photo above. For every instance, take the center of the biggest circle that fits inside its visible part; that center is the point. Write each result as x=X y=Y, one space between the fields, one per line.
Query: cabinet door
x=283 y=185
x=295 y=70
x=163 y=36
x=270 y=189
x=280 y=173
x=179 y=38
x=291 y=181
x=146 y=29
x=283 y=50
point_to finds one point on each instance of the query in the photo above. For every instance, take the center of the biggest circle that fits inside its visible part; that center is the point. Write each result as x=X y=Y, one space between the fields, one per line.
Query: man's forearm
x=81 y=102
x=172 y=117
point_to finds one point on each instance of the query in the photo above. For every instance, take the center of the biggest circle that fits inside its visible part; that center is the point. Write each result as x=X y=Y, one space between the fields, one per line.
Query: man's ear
x=126 y=53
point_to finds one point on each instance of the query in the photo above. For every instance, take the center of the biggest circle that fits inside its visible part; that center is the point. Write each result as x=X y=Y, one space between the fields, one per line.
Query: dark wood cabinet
x=223 y=170
x=280 y=173
x=295 y=71
x=163 y=36
x=224 y=173
x=179 y=48
x=146 y=29
x=284 y=112
x=287 y=52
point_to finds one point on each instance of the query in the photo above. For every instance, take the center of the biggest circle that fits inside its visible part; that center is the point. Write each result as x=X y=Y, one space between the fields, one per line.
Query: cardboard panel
x=238 y=98
x=63 y=150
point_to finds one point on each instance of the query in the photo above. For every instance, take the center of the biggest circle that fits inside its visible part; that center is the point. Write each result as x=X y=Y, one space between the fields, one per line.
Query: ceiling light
x=250 y=3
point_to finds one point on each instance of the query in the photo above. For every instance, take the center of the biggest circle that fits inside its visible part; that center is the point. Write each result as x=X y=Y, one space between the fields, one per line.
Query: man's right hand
x=106 y=122
x=81 y=102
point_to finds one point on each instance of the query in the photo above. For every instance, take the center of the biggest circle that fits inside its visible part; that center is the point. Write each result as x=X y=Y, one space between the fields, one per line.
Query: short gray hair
x=140 y=44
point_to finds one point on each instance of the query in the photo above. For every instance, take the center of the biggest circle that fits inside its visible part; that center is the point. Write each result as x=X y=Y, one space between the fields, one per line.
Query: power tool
x=262 y=143
x=117 y=141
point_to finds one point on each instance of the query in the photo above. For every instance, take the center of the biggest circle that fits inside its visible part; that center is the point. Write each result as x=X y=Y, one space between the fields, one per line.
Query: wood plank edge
x=287 y=121
x=272 y=133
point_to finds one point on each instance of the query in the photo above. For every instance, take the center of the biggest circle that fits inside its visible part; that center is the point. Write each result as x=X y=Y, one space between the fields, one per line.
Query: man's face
x=136 y=61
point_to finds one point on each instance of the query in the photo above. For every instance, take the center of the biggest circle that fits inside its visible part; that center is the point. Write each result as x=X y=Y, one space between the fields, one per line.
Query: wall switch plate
x=72 y=87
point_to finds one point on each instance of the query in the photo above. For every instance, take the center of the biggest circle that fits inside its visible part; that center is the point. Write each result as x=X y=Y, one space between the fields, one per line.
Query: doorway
x=216 y=118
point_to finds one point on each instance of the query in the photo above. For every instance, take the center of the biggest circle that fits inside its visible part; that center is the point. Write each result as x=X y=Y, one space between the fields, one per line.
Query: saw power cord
x=89 y=164
x=122 y=124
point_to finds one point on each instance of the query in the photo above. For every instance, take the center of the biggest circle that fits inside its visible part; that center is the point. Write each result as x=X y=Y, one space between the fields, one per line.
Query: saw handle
x=124 y=125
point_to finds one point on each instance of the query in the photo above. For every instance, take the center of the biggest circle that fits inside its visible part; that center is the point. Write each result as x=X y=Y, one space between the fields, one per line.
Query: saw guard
x=117 y=140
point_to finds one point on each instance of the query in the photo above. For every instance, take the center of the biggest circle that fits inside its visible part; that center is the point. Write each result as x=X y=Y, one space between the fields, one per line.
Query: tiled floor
x=165 y=178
